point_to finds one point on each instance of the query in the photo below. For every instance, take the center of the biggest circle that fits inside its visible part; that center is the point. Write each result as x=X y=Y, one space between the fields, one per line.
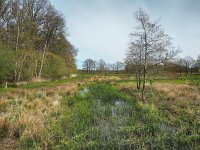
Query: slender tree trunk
x=138 y=82
x=144 y=70
x=16 y=50
x=6 y=83
x=20 y=68
x=144 y=86
x=42 y=61
x=36 y=68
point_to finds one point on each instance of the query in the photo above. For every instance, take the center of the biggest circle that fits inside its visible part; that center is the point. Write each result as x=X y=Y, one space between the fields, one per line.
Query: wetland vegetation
x=148 y=99
x=101 y=113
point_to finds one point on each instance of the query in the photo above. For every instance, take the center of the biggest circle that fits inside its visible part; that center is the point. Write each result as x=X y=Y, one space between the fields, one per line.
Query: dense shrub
x=6 y=63
x=54 y=66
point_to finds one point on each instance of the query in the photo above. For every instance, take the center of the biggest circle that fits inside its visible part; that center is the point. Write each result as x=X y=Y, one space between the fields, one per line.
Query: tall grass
x=100 y=113
x=105 y=118
x=26 y=116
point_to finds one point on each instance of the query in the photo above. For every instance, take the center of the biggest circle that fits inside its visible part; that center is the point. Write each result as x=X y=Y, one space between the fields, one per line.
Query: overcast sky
x=100 y=28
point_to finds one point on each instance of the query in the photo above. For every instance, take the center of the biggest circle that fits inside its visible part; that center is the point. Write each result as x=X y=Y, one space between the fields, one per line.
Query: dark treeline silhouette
x=179 y=66
x=91 y=66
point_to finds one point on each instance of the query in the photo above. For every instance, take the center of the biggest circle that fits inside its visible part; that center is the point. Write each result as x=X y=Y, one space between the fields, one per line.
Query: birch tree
x=53 y=22
x=35 y=31
x=149 y=48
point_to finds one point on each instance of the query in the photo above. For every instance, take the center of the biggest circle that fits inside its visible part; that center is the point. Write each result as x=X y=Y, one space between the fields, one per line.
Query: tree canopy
x=30 y=31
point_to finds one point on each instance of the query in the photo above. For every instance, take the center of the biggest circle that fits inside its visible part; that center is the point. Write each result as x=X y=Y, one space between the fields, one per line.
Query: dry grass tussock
x=103 y=78
x=178 y=91
x=26 y=113
x=179 y=97
x=126 y=86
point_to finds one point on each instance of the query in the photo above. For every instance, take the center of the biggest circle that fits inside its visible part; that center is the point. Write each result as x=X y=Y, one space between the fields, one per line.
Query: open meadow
x=100 y=112
x=99 y=75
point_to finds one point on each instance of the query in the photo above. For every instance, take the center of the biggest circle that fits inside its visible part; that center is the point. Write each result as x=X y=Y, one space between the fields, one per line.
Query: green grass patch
x=34 y=85
x=102 y=117
x=105 y=118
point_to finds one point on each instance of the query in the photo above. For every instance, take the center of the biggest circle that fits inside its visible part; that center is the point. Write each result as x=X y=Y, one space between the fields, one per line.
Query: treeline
x=186 y=65
x=91 y=66
x=33 y=41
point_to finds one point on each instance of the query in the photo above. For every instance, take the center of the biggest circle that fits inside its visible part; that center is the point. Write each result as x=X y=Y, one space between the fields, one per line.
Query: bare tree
x=53 y=23
x=89 y=65
x=4 y=7
x=128 y=65
x=180 y=64
x=150 y=46
x=189 y=62
x=117 y=66
x=134 y=57
x=101 y=66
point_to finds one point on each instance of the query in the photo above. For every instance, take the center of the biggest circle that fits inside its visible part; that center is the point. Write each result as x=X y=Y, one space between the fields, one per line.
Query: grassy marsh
x=100 y=113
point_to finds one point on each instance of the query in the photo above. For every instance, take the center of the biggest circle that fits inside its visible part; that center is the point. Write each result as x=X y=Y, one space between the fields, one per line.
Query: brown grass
x=125 y=86
x=26 y=112
x=179 y=97
x=102 y=79
x=177 y=91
